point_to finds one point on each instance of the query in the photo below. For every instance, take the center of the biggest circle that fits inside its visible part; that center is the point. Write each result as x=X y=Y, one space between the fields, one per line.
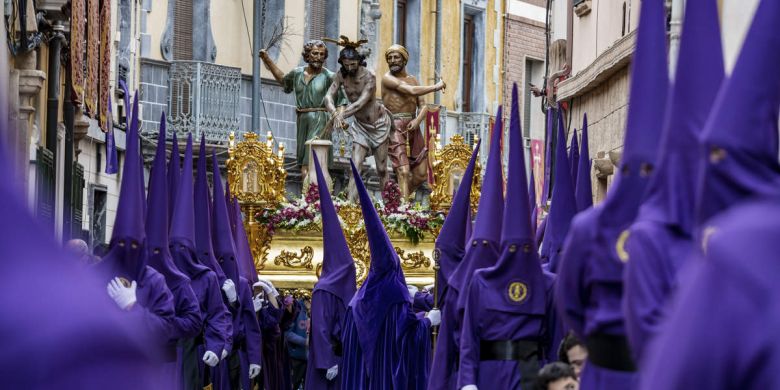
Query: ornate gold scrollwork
x=357 y=240
x=413 y=260
x=256 y=174
x=448 y=166
x=298 y=293
x=292 y=260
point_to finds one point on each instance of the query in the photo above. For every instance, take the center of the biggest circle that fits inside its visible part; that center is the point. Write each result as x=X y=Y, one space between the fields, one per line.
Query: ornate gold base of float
x=292 y=260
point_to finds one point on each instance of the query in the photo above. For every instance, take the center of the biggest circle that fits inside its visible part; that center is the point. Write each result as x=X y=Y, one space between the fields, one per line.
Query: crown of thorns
x=344 y=41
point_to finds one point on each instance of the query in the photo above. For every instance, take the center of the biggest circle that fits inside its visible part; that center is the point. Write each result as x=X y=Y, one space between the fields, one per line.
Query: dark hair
x=552 y=372
x=568 y=342
x=100 y=250
x=311 y=45
x=350 y=53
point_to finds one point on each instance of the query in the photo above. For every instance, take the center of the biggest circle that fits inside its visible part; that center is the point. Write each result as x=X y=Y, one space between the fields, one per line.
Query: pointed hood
x=183 y=221
x=157 y=243
x=647 y=103
x=671 y=193
x=739 y=139
x=563 y=206
x=483 y=250
x=246 y=262
x=583 y=190
x=338 y=275
x=174 y=173
x=532 y=202
x=574 y=156
x=125 y=256
x=140 y=160
x=202 y=201
x=229 y=204
x=519 y=262
x=112 y=160
x=456 y=230
x=385 y=285
x=547 y=156
x=221 y=232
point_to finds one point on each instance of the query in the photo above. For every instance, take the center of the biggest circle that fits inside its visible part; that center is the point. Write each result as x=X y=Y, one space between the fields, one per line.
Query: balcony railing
x=473 y=125
x=204 y=98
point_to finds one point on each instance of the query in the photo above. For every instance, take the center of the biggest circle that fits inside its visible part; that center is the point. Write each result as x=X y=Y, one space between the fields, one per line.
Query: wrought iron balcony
x=204 y=99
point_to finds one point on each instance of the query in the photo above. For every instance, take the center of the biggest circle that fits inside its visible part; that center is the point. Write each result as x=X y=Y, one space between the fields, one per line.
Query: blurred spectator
x=557 y=376
x=298 y=343
x=572 y=352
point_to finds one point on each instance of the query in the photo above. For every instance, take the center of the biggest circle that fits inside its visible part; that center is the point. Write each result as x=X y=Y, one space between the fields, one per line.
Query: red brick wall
x=524 y=38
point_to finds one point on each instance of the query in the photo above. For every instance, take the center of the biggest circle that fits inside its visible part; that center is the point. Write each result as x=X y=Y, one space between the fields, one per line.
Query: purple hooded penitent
x=174 y=173
x=216 y=327
x=332 y=293
x=246 y=330
x=508 y=301
x=574 y=157
x=187 y=320
x=61 y=329
x=203 y=242
x=112 y=162
x=532 y=201
x=221 y=231
x=661 y=239
x=583 y=190
x=735 y=286
x=590 y=279
x=483 y=250
x=736 y=166
x=563 y=206
x=246 y=262
x=450 y=248
x=126 y=257
x=384 y=343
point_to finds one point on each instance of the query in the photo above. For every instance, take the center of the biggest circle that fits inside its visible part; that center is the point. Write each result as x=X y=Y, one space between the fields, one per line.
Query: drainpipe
x=437 y=55
x=675 y=30
x=257 y=43
x=53 y=88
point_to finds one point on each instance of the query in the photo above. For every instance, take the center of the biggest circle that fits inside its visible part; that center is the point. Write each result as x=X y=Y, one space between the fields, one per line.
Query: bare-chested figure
x=403 y=96
x=372 y=123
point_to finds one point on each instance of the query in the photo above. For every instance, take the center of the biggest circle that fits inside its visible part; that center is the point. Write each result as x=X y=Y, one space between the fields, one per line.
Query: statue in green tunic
x=310 y=84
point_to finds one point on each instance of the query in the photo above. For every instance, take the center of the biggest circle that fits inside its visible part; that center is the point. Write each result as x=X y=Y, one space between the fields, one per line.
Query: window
x=400 y=22
x=182 y=31
x=98 y=216
x=468 y=61
x=317 y=19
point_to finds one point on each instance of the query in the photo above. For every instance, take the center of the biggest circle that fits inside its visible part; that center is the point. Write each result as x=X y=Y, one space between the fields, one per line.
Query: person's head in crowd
x=100 y=250
x=572 y=352
x=557 y=376
x=80 y=249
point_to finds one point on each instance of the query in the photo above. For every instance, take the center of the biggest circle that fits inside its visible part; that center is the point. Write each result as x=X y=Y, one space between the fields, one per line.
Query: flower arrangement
x=303 y=214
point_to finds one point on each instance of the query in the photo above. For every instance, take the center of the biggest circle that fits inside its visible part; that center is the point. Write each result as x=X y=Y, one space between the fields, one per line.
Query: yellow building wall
x=451 y=48
x=233 y=42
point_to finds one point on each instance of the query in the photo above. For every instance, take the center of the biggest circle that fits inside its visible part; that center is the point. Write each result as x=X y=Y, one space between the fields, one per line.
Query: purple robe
x=422 y=302
x=274 y=351
x=325 y=347
x=249 y=337
x=401 y=352
x=722 y=329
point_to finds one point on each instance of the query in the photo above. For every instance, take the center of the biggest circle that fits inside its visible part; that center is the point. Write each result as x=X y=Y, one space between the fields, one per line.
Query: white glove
x=469 y=387
x=123 y=296
x=254 y=370
x=332 y=372
x=268 y=287
x=412 y=290
x=434 y=316
x=258 y=301
x=210 y=358
x=224 y=354
x=230 y=290
x=429 y=287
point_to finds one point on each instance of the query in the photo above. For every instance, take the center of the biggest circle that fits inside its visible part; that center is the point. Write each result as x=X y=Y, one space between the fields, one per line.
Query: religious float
x=285 y=235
